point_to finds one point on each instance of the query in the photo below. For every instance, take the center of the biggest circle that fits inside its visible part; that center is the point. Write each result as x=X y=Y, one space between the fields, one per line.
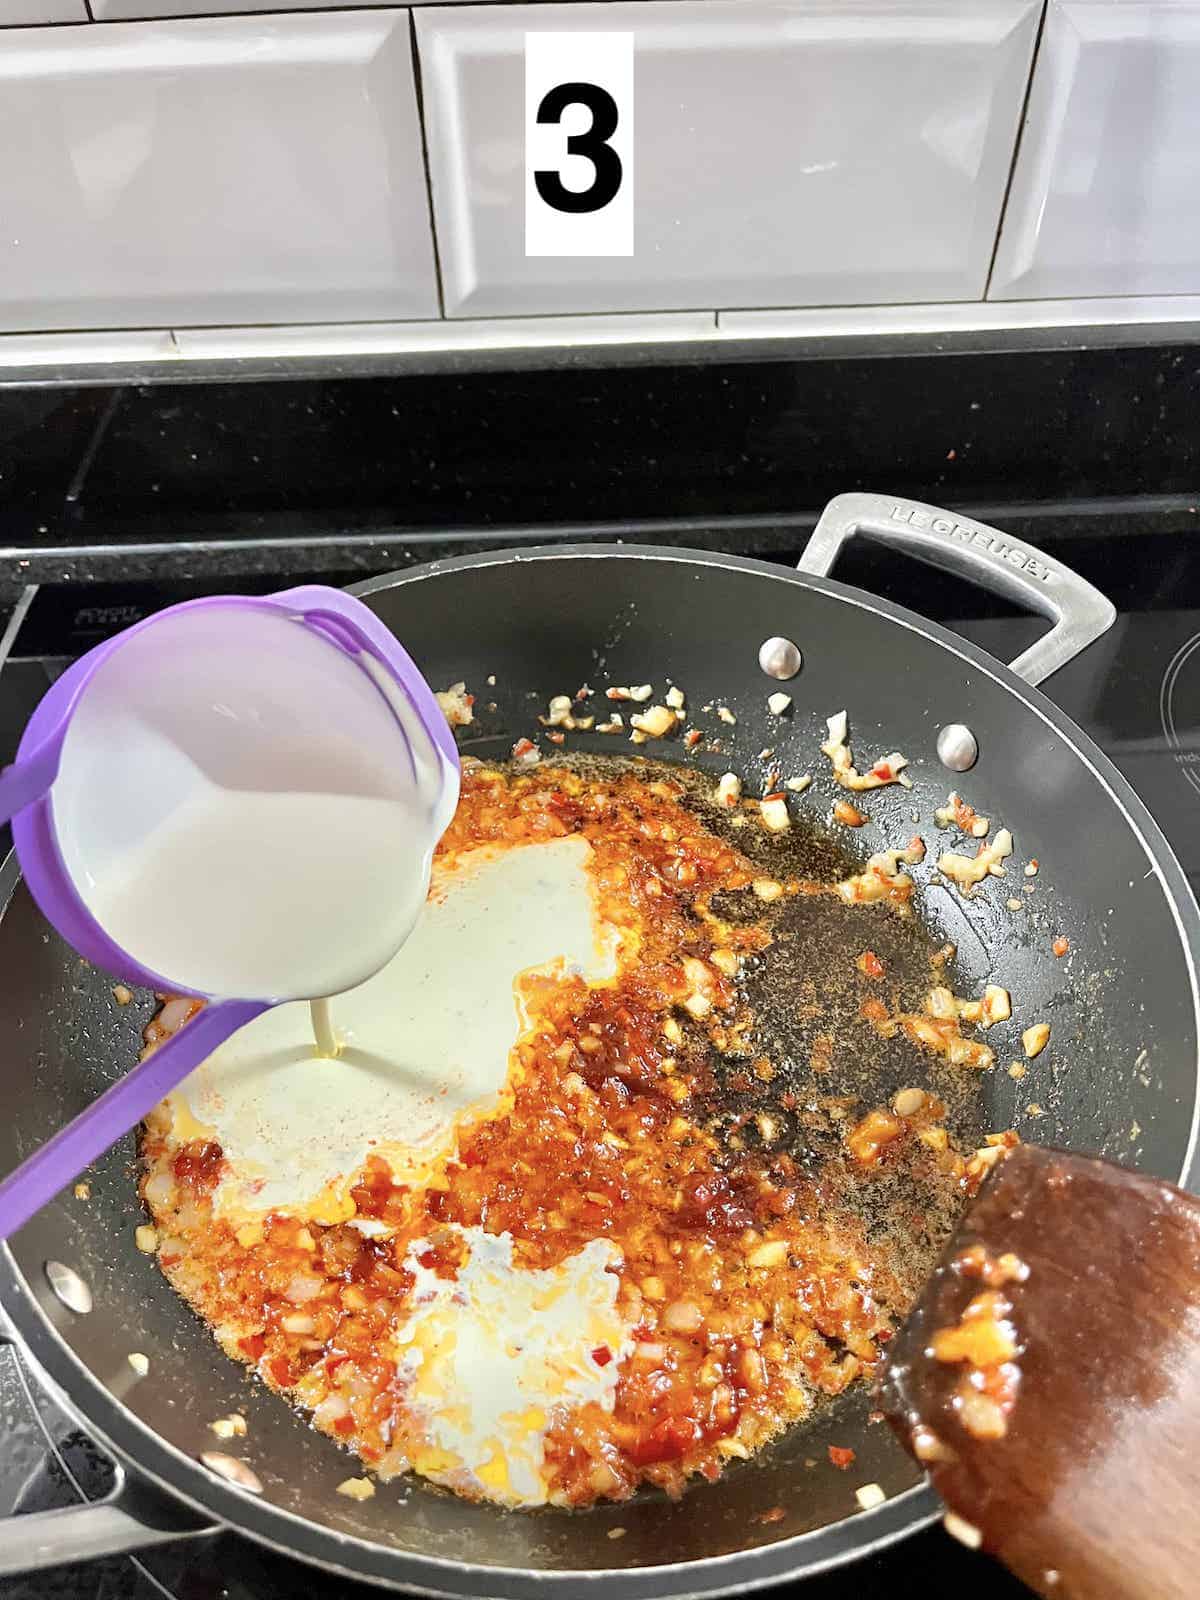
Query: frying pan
x=1120 y=1079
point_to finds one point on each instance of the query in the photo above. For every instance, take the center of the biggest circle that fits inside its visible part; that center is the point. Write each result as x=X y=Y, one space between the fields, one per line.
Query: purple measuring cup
x=297 y=693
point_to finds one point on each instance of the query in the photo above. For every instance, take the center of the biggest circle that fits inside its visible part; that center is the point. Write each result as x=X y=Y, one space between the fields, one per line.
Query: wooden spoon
x=1077 y=1461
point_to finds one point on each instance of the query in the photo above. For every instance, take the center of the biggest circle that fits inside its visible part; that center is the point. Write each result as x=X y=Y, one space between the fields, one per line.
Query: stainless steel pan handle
x=1003 y=565
x=131 y=1518
x=134 y=1516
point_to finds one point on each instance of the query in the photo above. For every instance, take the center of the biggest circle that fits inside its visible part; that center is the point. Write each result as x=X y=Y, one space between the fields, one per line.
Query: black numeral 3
x=593 y=143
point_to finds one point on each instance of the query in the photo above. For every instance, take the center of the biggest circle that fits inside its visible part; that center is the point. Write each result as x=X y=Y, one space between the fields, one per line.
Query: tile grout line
x=1020 y=139
x=419 y=91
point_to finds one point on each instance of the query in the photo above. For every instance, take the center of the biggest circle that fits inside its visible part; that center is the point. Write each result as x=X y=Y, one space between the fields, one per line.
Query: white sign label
x=579 y=144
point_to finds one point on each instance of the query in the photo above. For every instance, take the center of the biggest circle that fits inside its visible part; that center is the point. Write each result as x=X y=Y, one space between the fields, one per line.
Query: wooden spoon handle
x=1092 y=1489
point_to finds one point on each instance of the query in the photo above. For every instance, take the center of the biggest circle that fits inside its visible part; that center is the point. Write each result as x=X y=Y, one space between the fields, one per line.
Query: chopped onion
x=302 y=1288
x=682 y=1316
x=652 y=1354
x=175 y=1013
x=160 y=1190
x=332 y=1409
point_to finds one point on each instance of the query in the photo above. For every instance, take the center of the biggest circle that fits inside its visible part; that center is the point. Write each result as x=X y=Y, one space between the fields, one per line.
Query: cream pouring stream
x=237 y=799
x=314 y=932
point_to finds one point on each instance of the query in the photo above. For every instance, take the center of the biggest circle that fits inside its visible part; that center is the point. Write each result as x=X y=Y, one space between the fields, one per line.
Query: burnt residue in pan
x=809 y=1065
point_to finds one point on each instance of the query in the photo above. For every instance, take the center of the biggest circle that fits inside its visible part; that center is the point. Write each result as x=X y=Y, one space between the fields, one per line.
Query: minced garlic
x=774 y=813
x=729 y=790
x=1034 y=1040
x=658 y=721
x=967 y=871
x=457 y=705
x=888 y=769
x=956 y=813
x=995 y=1006
x=560 y=714
x=882 y=877
x=230 y=1427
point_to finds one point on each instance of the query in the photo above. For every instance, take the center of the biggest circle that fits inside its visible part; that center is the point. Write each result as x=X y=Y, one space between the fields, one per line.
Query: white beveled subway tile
x=785 y=152
x=212 y=170
x=400 y=338
x=1103 y=195
x=18 y=350
x=29 y=13
x=148 y=10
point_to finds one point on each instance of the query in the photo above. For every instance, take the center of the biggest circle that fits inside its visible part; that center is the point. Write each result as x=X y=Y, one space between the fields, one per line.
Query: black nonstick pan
x=1120 y=1078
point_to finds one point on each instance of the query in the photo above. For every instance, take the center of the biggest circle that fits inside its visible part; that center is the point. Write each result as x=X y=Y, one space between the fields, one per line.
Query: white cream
x=423 y=1043
x=267 y=830
x=495 y=1353
x=248 y=893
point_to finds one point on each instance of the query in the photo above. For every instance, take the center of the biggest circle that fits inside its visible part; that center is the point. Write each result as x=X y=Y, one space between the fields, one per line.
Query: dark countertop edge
x=720 y=348
x=341 y=550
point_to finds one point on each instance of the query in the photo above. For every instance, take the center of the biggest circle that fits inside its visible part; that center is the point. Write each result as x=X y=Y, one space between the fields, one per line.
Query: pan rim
x=818 y=1550
x=1137 y=815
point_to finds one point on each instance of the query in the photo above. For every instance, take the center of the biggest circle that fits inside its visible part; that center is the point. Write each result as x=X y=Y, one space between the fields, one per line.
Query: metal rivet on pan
x=232 y=1470
x=780 y=658
x=957 y=747
x=69 y=1287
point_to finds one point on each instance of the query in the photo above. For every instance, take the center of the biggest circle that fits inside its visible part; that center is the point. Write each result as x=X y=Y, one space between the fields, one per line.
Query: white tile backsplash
x=795 y=160
x=1105 y=199
x=789 y=152
x=129 y=10
x=233 y=170
x=20 y=13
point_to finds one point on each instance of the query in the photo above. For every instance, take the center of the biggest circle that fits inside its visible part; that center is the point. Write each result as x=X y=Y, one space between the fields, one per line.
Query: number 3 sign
x=579 y=144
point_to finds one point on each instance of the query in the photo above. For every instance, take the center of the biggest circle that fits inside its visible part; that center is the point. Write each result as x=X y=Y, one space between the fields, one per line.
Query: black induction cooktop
x=1137 y=693
x=114 y=502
